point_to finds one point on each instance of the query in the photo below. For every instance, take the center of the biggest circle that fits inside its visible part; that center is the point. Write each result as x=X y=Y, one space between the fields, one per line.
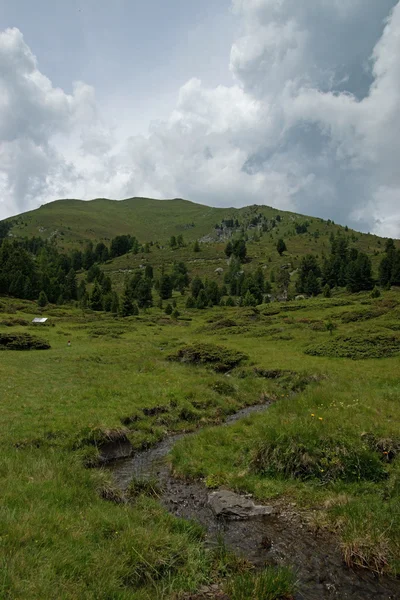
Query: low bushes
x=22 y=341
x=221 y=359
x=357 y=346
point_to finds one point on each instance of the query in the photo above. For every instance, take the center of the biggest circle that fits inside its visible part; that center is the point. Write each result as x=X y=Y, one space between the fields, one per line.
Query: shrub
x=22 y=341
x=220 y=358
x=375 y=292
x=357 y=346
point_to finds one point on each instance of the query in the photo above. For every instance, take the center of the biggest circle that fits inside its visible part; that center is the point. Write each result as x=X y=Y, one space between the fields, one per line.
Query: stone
x=228 y=505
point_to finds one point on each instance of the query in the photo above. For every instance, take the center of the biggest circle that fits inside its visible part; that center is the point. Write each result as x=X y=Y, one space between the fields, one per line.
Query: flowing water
x=282 y=539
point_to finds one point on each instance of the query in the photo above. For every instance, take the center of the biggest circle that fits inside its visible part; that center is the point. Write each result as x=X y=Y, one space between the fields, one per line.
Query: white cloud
x=309 y=122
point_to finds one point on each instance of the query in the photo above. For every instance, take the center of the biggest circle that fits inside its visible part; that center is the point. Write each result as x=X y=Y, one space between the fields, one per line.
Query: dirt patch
x=22 y=341
x=221 y=359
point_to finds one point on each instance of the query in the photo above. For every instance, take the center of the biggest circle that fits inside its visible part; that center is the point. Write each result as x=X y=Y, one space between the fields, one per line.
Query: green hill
x=74 y=222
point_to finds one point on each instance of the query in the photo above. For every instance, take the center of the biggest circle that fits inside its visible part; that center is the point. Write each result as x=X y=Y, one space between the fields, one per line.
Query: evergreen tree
x=84 y=301
x=281 y=247
x=166 y=287
x=143 y=294
x=106 y=285
x=70 y=287
x=389 y=246
x=230 y=301
x=249 y=299
x=202 y=300
x=126 y=303
x=239 y=249
x=107 y=302
x=283 y=281
x=168 y=309
x=81 y=289
x=308 y=282
x=148 y=272
x=196 y=246
x=115 y=303
x=326 y=291
x=359 y=274
x=172 y=241
x=190 y=302
x=385 y=271
x=96 y=298
x=229 y=249
x=197 y=285
x=42 y=301
x=312 y=285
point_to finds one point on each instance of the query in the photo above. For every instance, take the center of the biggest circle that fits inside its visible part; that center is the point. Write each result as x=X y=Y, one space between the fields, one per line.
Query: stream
x=278 y=539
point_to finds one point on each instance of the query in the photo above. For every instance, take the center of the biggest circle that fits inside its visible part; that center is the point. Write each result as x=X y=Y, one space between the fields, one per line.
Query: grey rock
x=229 y=505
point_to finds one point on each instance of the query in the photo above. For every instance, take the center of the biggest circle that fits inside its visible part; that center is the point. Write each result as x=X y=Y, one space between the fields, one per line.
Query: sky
x=289 y=103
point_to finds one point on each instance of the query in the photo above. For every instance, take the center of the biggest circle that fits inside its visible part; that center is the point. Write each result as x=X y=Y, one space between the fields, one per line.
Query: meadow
x=329 y=444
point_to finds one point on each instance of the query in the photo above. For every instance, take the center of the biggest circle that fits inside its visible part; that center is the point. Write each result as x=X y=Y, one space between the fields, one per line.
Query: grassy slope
x=74 y=221
x=59 y=539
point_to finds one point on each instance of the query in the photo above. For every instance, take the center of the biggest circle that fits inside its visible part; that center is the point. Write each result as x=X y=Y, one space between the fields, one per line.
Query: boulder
x=228 y=505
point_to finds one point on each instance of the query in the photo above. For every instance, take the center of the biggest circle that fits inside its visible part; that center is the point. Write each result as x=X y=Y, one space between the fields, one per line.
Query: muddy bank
x=275 y=536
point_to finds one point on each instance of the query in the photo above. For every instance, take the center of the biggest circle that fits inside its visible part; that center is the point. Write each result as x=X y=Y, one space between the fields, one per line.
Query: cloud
x=309 y=123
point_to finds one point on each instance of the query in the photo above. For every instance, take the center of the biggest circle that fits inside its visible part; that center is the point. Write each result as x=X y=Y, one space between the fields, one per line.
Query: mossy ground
x=60 y=538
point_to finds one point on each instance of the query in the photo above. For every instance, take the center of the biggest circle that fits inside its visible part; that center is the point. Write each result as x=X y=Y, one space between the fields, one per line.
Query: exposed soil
x=278 y=539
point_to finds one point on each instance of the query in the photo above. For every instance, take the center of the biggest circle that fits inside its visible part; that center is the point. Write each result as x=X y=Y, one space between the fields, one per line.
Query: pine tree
x=70 y=287
x=42 y=301
x=202 y=300
x=168 y=309
x=326 y=291
x=143 y=294
x=281 y=247
x=148 y=272
x=115 y=303
x=166 y=287
x=196 y=286
x=96 y=298
x=196 y=247
x=229 y=249
x=190 y=302
x=126 y=304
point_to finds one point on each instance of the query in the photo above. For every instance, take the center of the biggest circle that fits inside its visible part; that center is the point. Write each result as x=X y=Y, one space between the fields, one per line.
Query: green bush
x=220 y=358
x=22 y=341
x=357 y=346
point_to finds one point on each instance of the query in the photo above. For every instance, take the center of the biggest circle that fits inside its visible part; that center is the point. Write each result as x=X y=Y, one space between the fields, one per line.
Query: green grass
x=65 y=530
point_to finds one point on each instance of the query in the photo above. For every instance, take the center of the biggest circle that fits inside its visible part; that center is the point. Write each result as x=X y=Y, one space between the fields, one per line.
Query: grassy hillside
x=329 y=444
x=72 y=223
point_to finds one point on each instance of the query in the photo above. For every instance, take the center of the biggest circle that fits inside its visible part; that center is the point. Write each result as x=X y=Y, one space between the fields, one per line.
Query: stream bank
x=274 y=536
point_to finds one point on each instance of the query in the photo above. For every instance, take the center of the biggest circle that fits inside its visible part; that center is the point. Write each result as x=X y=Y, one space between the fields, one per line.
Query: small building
x=39 y=320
